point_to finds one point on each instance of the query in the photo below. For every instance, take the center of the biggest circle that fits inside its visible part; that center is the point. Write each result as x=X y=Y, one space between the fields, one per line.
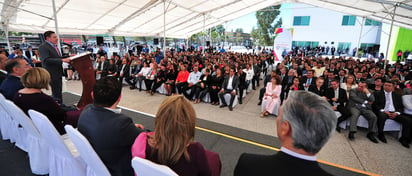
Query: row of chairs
x=55 y=154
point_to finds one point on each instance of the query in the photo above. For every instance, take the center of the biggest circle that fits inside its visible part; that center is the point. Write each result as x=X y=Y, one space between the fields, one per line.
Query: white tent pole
x=389 y=38
x=225 y=33
x=164 y=27
x=6 y=30
x=360 y=36
x=56 y=26
x=203 y=36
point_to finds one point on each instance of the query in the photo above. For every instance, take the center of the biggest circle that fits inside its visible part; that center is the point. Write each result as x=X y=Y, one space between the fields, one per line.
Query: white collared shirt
x=229 y=84
x=117 y=111
x=298 y=155
x=389 y=102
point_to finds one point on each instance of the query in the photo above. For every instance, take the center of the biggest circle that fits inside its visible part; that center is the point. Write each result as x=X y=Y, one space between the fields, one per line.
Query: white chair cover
x=5 y=121
x=64 y=160
x=95 y=166
x=144 y=167
x=227 y=99
x=17 y=134
x=390 y=125
x=275 y=109
x=36 y=146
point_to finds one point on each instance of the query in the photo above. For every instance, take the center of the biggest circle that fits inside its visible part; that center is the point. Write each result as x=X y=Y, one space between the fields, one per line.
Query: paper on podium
x=80 y=55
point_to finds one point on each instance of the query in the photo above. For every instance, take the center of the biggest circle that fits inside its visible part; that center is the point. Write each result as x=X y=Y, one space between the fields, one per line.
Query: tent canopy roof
x=183 y=17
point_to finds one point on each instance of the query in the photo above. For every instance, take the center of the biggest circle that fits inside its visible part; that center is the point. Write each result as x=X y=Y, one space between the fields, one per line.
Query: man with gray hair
x=304 y=125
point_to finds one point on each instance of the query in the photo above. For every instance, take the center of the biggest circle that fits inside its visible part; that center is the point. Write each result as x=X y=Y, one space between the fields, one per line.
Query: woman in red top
x=172 y=144
x=181 y=80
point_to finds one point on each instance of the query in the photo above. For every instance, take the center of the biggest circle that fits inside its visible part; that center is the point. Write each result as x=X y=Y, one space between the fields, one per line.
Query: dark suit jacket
x=314 y=89
x=3 y=76
x=10 y=86
x=304 y=79
x=104 y=70
x=380 y=101
x=342 y=97
x=27 y=53
x=51 y=60
x=357 y=98
x=235 y=82
x=285 y=81
x=278 y=164
x=111 y=135
x=126 y=70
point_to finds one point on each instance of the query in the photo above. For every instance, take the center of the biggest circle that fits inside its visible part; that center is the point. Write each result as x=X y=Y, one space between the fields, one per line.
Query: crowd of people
x=309 y=89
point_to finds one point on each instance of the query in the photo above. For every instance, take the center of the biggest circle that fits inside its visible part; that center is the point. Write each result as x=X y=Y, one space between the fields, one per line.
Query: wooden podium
x=83 y=64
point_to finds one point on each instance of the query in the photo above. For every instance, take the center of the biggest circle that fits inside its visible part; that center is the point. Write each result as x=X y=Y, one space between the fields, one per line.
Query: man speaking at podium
x=51 y=59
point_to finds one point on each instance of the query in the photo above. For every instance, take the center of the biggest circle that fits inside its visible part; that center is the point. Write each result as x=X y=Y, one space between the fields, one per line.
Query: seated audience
x=31 y=97
x=171 y=143
x=293 y=87
x=338 y=98
x=360 y=103
x=192 y=83
x=388 y=105
x=304 y=125
x=110 y=133
x=15 y=69
x=318 y=88
x=217 y=82
x=181 y=80
x=3 y=72
x=229 y=86
x=349 y=84
x=271 y=100
x=204 y=85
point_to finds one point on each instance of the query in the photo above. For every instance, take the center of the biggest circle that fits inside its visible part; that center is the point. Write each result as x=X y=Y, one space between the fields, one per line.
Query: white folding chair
x=95 y=166
x=144 y=167
x=64 y=159
x=227 y=100
x=17 y=134
x=36 y=146
x=5 y=121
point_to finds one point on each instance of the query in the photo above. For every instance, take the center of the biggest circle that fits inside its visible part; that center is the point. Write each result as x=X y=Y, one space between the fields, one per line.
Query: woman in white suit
x=271 y=99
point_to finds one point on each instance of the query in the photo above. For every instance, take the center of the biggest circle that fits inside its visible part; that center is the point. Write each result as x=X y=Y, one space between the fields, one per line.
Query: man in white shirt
x=229 y=86
x=141 y=76
x=249 y=75
x=192 y=81
x=302 y=135
x=388 y=105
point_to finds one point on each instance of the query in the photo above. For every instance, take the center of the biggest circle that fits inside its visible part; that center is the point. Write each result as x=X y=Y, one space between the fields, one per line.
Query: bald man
x=3 y=73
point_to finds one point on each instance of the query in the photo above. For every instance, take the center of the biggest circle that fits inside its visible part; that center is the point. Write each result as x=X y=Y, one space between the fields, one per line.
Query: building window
x=343 y=46
x=369 y=22
x=299 y=44
x=301 y=20
x=348 y=20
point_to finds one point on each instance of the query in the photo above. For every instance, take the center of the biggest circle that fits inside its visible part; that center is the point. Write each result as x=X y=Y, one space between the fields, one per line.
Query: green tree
x=265 y=24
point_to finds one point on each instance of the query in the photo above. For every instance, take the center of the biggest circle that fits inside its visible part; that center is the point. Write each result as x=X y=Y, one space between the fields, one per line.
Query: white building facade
x=315 y=26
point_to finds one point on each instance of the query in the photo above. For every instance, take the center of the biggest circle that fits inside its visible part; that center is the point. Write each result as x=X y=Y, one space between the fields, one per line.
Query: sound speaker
x=155 y=41
x=207 y=43
x=99 y=41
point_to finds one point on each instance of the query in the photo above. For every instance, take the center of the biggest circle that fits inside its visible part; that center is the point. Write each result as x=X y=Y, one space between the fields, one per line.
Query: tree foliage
x=266 y=25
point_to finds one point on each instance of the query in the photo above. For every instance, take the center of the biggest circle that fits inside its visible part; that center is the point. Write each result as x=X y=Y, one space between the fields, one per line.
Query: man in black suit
x=29 y=53
x=123 y=70
x=3 y=72
x=15 y=69
x=110 y=133
x=308 y=80
x=388 y=105
x=337 y=98
x=360 y=101
x=341 y=76
x=51 y=59
x=229 y=86
x=328 y=80
x=102 y=67
x=302 y=135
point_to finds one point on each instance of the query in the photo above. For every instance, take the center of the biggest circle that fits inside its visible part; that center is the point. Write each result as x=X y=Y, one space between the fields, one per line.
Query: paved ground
x=361 y=154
